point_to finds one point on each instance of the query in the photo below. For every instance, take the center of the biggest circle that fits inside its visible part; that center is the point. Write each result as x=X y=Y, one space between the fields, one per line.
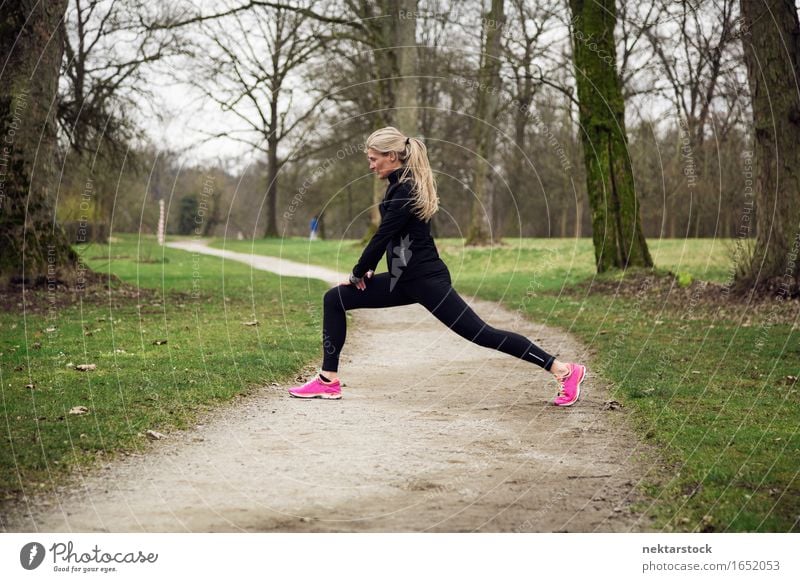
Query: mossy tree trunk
x=617 y=230
x=32 y=244
x=489 y=84
x=772 y=51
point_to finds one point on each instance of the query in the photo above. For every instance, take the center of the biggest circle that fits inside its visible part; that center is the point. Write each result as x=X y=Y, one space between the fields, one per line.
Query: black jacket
x=403 y=236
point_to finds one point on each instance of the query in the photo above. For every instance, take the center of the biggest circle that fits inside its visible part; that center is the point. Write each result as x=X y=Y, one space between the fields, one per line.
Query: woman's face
x=382 y=164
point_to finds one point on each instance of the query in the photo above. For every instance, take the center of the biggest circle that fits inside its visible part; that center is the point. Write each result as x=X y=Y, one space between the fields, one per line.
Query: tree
x=187 y=214
x=488 y=85
x=31 y=39
x=107 y=48
x=616 y=224
x=387 y=29
x=523 y=47
x=249 y=73
x=405 y=53
x=389 y=34
x=693 y=52
x=108 y=54
x=772 y=56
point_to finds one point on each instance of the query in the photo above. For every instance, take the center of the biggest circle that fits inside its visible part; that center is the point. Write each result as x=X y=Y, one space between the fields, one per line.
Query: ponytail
x=416 y=168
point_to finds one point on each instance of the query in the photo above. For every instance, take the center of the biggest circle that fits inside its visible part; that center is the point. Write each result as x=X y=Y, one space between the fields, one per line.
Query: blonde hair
x=413 y=154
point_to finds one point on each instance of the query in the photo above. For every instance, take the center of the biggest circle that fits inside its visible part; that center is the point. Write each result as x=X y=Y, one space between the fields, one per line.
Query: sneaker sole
x=578 y=391
x=323 y=396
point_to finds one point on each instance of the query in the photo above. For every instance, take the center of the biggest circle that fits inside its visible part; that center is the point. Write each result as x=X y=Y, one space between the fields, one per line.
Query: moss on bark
x=616 y=224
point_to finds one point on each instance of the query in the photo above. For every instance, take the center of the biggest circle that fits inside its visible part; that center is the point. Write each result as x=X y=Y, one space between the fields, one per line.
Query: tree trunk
x=211 y=194
x=273 y=166
x=396 y=64
x=33 y=245
x=489 y=84
x=616 y=223
x=519 y=168
x=771 y=56
x=405 y=43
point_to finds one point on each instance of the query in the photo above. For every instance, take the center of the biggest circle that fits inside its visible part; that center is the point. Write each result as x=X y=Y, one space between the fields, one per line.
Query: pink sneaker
x=570 y=386
x=316 y=388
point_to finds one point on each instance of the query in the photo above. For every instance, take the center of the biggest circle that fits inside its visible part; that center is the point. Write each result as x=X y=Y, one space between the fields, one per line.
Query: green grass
x=551 y=263
x=705 y=381
x=708 y=383
x=194 y=303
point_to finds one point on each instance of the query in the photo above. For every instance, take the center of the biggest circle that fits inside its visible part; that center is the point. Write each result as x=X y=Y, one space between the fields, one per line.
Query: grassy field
x=163 y=355
x=711 y=383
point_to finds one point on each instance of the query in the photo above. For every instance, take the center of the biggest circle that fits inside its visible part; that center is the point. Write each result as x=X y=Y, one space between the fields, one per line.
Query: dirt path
x=433 y=434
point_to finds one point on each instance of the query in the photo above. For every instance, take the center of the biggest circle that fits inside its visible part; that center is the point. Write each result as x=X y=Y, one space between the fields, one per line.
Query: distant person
x=416 y=273
x=314 y=226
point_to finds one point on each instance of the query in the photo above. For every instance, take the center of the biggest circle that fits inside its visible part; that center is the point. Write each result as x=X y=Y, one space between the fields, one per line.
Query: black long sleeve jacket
x=403 y=236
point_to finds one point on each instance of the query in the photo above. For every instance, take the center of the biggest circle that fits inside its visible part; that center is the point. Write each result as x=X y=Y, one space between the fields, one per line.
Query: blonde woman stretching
x=416 y=273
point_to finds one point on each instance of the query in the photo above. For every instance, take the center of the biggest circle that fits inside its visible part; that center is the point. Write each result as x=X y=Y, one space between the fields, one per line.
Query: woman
x=416 y=273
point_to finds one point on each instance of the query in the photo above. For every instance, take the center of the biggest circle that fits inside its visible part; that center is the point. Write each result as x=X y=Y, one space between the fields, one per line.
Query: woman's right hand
x=362 y=283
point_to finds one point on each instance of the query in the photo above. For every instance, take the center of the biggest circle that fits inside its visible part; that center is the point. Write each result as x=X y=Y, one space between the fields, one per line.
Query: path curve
x=434 y=434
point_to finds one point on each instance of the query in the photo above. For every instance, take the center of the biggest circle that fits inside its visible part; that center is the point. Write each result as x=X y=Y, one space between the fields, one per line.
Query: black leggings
x=437 y=295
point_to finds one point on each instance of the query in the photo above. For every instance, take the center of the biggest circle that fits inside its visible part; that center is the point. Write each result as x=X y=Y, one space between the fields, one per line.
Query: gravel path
x=436 y=434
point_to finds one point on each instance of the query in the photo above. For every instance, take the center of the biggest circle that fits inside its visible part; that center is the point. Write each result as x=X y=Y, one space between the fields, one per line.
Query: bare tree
x=635 y=21
x=106 y=50
x=385 y=29
x=693 y=48
x=524 y=48
x=251 y=71
x=695 y=54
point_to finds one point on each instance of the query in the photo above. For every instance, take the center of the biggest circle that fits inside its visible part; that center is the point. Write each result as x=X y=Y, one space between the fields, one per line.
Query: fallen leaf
x=155 y=436
x=78 y=410
x=86 y=367
x=50 y=329
x=251 y=323
x=30 y=386
x=159 y=342
x=611 y=405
